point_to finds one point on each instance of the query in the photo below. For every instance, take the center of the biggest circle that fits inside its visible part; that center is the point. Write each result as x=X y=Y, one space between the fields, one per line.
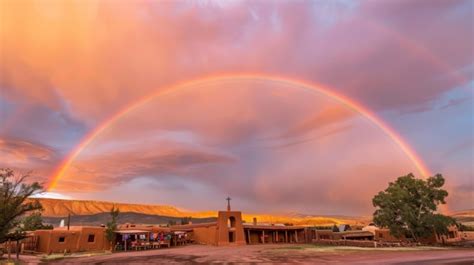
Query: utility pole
x=68 y=221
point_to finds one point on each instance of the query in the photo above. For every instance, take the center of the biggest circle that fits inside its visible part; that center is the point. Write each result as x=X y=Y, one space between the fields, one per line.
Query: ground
x=304 y=254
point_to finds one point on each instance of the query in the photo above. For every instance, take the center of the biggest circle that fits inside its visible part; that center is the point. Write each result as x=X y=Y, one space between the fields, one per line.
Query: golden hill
x=61 y=208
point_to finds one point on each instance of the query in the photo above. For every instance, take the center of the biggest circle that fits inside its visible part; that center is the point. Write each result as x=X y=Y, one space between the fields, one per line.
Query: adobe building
x=229 y=229
x=76 y=239
x=384 y=235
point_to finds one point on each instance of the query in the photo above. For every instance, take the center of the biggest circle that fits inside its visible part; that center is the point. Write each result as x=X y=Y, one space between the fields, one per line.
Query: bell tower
x=230 y=229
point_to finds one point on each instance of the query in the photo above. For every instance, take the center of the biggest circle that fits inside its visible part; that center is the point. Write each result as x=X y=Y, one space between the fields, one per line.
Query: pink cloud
x=92 y=59
x=120 y=53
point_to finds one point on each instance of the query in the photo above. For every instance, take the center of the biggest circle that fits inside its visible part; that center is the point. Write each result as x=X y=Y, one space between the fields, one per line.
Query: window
x=91 y=238
x=61 y=239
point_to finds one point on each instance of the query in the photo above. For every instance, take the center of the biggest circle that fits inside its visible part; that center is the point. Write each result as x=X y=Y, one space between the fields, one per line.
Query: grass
x=59 y=256
x=9 y=262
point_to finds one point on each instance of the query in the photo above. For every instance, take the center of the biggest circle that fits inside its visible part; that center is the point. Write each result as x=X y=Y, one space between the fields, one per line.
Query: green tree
x=34 y=222
x=14 y=191
x=186 y=220
x=408 y=207
x=111 y=226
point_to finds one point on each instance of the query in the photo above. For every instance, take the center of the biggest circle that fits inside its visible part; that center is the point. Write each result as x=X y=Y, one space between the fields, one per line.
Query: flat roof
x=190 y=226
x=132 y=231
x=272 y=227
x=355 y=233
x=76 y=227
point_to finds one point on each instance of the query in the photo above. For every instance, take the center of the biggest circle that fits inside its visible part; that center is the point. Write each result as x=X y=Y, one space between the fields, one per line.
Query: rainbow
x=351 y=104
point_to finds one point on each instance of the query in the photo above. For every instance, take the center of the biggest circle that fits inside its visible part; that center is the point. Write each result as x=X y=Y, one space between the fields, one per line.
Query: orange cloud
x=83 y=61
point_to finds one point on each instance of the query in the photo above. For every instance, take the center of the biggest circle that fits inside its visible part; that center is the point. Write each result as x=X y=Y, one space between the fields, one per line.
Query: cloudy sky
x=89 y=98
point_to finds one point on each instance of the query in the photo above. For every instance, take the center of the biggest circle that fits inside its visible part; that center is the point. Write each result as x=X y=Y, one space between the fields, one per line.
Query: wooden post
x=9 y=249
x=263 y=236
x=248 y=234
x=277 y=236
x=17 y=249
x=286 y=236
x=296 y=236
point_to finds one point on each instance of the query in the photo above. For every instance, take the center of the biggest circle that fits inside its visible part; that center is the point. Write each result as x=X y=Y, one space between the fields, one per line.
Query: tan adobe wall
x=205 y=235
x=467 y=235
x=43 y=240
x=322 y=235
x=74 y=240
x=100 y=242
x=54 y=246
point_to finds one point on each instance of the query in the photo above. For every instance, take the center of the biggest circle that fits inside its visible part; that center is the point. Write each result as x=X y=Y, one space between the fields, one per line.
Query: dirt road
x=301 y=254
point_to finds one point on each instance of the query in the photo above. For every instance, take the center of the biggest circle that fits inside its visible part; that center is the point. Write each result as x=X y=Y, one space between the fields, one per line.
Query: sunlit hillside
x=61 y=208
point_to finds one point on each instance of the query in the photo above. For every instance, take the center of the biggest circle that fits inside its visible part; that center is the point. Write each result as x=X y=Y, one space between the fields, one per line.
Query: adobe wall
x=100 y=242
x=43 y=240
x=467 y=235
x=51 y=242
x=74 y=240
x=205 y=235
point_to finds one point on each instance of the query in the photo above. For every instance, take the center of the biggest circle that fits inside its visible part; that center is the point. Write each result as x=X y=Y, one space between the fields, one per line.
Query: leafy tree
x=186 y=220
x=14 y=192
x=34 y=222
x=408 y=207
x=112 y=226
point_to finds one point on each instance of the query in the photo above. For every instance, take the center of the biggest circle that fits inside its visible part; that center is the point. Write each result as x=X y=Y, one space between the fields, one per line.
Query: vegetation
x=34 y=222
x=112 y=226
x=408 y=207
x=13 y=204
x=186 y=220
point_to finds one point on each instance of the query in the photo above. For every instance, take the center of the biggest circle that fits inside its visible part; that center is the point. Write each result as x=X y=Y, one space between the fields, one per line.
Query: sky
x=286 y=106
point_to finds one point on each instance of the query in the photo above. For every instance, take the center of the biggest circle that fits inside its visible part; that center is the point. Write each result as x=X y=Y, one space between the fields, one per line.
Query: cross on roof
x=228 y=203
